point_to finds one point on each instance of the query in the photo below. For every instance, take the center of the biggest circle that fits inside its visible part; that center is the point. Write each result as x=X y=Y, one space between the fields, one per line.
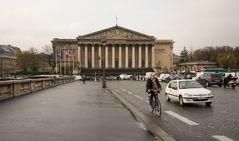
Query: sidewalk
x=75 y=112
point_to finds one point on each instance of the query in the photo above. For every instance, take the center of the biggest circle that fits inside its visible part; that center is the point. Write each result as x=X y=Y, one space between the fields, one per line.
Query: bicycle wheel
x=158 y=108
x=153 y=105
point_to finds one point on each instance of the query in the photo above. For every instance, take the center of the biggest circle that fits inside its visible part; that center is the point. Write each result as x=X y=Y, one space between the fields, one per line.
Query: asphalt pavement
x=197 y=122
x=70 y=112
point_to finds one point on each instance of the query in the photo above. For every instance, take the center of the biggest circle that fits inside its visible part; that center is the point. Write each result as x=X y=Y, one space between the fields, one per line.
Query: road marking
x=184 y=119
x=130 y=93
x=142 y=126
x=222 y=138
x=124 y=90
x=139 y=97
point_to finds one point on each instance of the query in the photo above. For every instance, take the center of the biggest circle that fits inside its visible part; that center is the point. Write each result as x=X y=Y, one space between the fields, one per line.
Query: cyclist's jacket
x=150 y=84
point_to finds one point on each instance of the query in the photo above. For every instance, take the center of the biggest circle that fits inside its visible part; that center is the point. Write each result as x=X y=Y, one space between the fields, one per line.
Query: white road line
x=124 y=90
x=130 y=93
x=222 y=138
x=139 y=97
x=184 y=119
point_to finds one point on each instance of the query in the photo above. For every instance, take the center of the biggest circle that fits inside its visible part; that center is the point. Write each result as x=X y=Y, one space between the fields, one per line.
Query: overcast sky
x=190 y=23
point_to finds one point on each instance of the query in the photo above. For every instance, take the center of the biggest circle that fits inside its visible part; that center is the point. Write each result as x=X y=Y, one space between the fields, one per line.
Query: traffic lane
x=69 y=112
x=210 y=119
x=169 y=124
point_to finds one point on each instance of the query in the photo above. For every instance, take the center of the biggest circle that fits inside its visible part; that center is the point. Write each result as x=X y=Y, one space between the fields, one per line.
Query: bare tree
x=47 y=49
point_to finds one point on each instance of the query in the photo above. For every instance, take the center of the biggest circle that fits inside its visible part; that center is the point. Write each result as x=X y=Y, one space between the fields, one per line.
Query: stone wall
x=164 y=54
x=15 y=88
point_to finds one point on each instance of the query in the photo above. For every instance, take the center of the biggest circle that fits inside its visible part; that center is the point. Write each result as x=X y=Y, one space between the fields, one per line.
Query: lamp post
x=228 y=59
x=2 y=66
x=103 y=66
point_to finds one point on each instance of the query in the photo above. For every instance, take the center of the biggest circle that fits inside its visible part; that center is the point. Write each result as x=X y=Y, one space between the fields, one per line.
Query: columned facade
x=130 y=59
x=117 y=48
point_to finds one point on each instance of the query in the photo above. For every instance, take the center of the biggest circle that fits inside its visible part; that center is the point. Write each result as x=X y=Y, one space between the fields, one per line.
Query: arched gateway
x=119 y=49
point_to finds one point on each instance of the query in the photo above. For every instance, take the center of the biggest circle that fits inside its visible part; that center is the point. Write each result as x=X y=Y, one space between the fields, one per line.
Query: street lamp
x=103 y=66
x=228 y=59
x=2 y=66
x=103 y=72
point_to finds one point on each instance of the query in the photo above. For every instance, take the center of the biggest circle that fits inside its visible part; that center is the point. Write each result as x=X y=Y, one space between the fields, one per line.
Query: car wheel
x=181 y=100
x=208 y=103
x=220 y=85
x=167 y=97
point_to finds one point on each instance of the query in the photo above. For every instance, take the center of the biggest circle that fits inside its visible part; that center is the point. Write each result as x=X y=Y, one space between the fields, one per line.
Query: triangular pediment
x=117 y=32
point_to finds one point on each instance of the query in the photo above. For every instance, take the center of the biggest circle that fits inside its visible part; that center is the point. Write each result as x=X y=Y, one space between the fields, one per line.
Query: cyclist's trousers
x=150 y=97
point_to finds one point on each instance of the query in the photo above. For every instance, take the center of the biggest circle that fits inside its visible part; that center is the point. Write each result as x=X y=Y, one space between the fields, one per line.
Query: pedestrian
x=83 y=79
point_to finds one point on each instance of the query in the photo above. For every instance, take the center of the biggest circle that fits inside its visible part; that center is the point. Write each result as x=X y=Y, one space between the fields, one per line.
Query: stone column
x=113 y=57
x=120 y=57
x=93 y=56
x=126 y=57
x=86 y=57
x=146 y=57
x=140 y=57
x=106 y=57
x=79 y=55
x=153 y=58
x=100 y=56
x=133 y=57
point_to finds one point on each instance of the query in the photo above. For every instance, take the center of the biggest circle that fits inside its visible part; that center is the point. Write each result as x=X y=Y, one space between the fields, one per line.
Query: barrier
x=14 y=88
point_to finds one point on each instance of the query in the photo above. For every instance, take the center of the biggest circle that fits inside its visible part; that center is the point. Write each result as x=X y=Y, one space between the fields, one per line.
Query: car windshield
x=189 y=85
x=216 y=75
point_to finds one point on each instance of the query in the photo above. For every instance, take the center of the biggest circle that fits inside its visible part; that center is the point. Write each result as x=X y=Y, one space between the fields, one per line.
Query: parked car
x=125 y=76
x=163 y=76
x=78 y=77
x=197 y=74
x=110 y=77
x=208 y=79
x=148 y=75
x=188 y=91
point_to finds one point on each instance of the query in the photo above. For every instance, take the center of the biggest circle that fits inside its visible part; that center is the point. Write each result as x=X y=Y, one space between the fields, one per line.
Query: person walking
x=83 y=79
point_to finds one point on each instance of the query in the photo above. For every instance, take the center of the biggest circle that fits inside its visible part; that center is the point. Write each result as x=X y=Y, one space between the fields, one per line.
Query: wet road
x=69 y=112
x=194 y=121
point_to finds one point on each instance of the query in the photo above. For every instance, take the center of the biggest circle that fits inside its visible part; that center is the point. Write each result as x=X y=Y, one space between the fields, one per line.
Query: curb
x=152 y=126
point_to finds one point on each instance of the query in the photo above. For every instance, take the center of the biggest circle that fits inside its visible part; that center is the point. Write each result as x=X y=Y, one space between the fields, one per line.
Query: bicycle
x=156 y=105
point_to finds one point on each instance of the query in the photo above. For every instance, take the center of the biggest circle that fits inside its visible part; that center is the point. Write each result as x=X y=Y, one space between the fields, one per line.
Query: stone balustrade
x=15 y=88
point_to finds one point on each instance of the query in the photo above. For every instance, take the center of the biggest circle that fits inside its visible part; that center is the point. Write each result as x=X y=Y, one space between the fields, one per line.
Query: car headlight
x=210 y=94
x=187 y=94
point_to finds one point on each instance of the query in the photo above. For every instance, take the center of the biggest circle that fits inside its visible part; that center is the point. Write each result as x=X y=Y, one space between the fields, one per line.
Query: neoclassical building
x=118 y=49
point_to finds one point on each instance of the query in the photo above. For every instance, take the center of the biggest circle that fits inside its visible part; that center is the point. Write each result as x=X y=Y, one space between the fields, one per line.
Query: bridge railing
x=15 y=88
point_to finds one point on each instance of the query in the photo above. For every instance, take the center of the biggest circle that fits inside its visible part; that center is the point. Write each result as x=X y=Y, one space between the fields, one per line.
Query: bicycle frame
x=156 y=104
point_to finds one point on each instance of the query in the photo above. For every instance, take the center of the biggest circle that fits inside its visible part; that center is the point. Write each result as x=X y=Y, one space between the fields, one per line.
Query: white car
x=78 y=77
x=188 y=91
x=163 y=76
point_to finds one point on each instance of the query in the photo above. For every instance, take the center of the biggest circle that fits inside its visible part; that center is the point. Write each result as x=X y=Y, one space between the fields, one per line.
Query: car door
x=202 y=79
x=173 y=90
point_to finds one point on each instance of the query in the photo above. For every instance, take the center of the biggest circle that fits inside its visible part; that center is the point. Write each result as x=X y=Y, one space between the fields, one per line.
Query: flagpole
x=56 y=55
x=60 y=61
x=64 y=61
x=69 y=62
x=73 y=61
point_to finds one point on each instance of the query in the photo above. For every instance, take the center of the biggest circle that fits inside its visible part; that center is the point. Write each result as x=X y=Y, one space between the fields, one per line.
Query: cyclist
x=152 y=84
